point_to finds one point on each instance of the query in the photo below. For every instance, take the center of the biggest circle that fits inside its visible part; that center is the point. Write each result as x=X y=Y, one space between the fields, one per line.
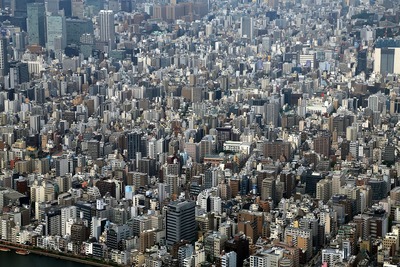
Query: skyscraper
x=52 y=6
x=387 y=60
x=180 y=222
x=247 y=27
x=4 y=66
x=133 y=144
x=56 y=32
x=18 y=8
x=77 y=8
x=107 y=30
x=36 y=23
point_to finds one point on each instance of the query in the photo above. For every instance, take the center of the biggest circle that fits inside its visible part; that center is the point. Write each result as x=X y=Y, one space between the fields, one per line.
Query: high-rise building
x=332 y=256
x=107 y=29
x=18 y=73
x=18 y=8
x=180 y=222
x=268 y=189
x=56 y=32
x=65 y=5
x=36 y=23
x=4 y=65
x=133 y=144
x=52 y=6
x=277 y=150
x=272 y=115
x=214 y=244
x=324 y=190
x=247 y=27
x=322 y=145
x=75 y=28
x=362 y=62
x=223 y=134
x=77 y=8
x=34 y=123
x=387 y=60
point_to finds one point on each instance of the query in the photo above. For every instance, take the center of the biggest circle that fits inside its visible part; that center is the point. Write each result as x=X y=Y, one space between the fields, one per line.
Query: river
x=11 y=259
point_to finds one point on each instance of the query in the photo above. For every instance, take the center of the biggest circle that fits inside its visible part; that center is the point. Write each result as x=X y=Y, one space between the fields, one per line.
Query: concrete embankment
x=53 y=255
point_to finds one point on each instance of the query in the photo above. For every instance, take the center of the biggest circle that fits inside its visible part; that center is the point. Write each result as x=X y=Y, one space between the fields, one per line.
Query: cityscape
x=196 y=133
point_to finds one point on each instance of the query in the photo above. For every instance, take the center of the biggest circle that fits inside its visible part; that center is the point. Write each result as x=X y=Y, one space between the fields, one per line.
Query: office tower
x=65 y=5
x=361 y=62
x=126 y=5
x=36 y=23
x=19 y=41
x=277 y=150
x=4 y=65
x=107 y=30
x=247 y=27
x=61 y=165
x=77 y=8
x=180 y=222
x=268 y=189
x=113 y=5
x=133 y=144
x=34 y=123
x=387 y=60
x=93 y=149
x=18 y=73
x=18 y=8
x=373 y=102
x=223 y=134
x=272 y=115
x=19 y=44
x=56 y=32
x=322 y=145
x=52 y=6
x=76 y=28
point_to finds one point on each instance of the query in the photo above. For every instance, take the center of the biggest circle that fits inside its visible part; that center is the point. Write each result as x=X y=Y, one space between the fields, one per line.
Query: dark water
x=11 y=259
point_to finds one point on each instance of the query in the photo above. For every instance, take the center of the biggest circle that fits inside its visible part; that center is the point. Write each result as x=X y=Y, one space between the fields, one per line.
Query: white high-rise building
x=332 y=256
x=107 y=29
x=229 y=259
x=67 y=214
x=373 y=102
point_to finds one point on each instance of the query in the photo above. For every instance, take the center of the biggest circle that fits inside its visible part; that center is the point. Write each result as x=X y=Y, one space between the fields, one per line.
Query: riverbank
x=61 y=256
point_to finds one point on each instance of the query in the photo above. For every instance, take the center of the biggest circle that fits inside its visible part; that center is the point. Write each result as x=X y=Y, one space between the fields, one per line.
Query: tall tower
x=180 y=222
x=4 y=66
x=107 y=30
x=77 y=8
x=133 y=144
x=52 y=6
x=36 y=23
x=56 y=32
x=247 y=27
